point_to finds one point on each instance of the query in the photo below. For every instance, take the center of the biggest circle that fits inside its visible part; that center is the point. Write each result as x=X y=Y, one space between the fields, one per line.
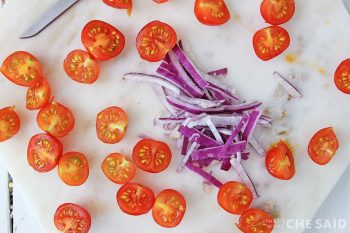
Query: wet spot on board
x=290 y=58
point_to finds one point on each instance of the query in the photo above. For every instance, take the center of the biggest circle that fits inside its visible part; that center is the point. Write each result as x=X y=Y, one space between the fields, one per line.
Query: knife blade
x=51 y=15
x=347 y=5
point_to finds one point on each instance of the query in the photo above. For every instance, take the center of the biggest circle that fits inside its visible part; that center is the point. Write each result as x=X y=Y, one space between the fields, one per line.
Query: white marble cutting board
x=320 y=32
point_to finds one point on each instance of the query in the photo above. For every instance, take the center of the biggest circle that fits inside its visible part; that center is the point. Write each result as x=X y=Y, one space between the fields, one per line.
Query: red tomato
x=38 y=95
x=270 y=42
x=111 y=125
x=160 y=1
x=323 y=146
x=155 y=40
x=151 y=156
x=9 y=123
x=276 y=12
x=255 y=220
x=120 y=4
x=43 y=152
x=280 y=161
x=118 y=169
x=234 y=197
x=80 y=67
x=56 y=119
x=73 y=168
x=71 y=218
x=102 y=40
x=169 y=208
x=22 y=68
x=211 y=12
x=135 y=199
x=342 y=77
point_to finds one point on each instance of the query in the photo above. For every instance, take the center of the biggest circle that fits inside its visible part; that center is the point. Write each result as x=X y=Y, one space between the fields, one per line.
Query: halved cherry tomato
x=73 y=168
x=235 y=197
x=160 y=1
x=22 y=68
x=211 y=12
x=270 y=42
x=155 y=40
x=169 y=208
x=280 y=161
x=342 y=77
x=120 y=4
x=255 y=220
x=323 y=146
x=276 y=12
x=118 y=169
x=135 y=199
x=111 y=125
x=43 y=152
x=9 y=123
x=56 y=119
x=38 y=95
x=151 y=156
x=80 y=67
x=71 y=218
x=102 y=40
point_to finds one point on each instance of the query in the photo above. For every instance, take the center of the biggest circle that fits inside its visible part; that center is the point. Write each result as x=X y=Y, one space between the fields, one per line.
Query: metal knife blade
x=51 y=15
x=347 y=5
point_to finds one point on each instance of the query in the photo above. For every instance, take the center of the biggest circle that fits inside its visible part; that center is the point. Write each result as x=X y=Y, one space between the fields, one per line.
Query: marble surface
x=319 y=41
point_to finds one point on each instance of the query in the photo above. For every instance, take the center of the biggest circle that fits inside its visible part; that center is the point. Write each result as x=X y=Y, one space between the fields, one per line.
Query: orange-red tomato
x=73 y=168
x=342 y=77
x=255 y=220
x=155 y=40
x=120 y=4
x=277 y=12
x=211 y=12
x=38 y=95
x=118 y=168
x=22 y=68
x=323 y=146
x=71 y=218
x=270 y=42
x=9 y=123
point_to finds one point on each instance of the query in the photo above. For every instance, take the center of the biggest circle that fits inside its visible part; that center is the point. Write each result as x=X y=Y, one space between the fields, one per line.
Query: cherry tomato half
x=120 y=4
x=342 y=77
x=9 y=123
x=102 y=40
x=255 y=220
x=211 y=12
x=118 y=169
x=169 y=208
x=73 y=168
x=270 y=42
x=38 y=95
x=43 y=152
x=135 y=199
x=151 y=156
x=234 y=197
x=323 y=146
x=279 y=161
x=277 y=12
x=56 y=119
x=160 y=1
x=72 y=218
x=155 y=40
x=80 y=67
x=22 y=68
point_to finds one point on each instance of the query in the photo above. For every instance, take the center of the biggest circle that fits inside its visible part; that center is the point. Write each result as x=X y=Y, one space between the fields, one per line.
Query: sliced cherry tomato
x=56 y=119
x=342 y=77
x=43 y=152
x=71 y=218
x=120 y=4
x=280 y=161
x=38 y=95
x=9 y=123
x=254 y=221
x=73 y=168
x=22 y=68
x=276 y=12
x=169 y=208
x=111 y=125
x=160 y=1
x=323 y=146
x=118 y=169
x=155 y=40
x=135 y=199
x=80 y=67
x=211 y=12
x=270 y=42
x=151 y=156
x=235 y=197
x=102 y=40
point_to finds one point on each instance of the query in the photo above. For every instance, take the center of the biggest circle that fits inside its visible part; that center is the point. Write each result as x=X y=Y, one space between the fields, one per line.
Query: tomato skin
x=160 y=1
x=255 y=220
x=9 y=123
x=118 y=169
x=342 y=77
x=120 y=4
x=211 y=12
x=151 y=155
x=65 y=222
x=277 y=12
x=102 y=40
x=73 y=168
x=22 y=68
x=323 y=146
x=38 y=95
